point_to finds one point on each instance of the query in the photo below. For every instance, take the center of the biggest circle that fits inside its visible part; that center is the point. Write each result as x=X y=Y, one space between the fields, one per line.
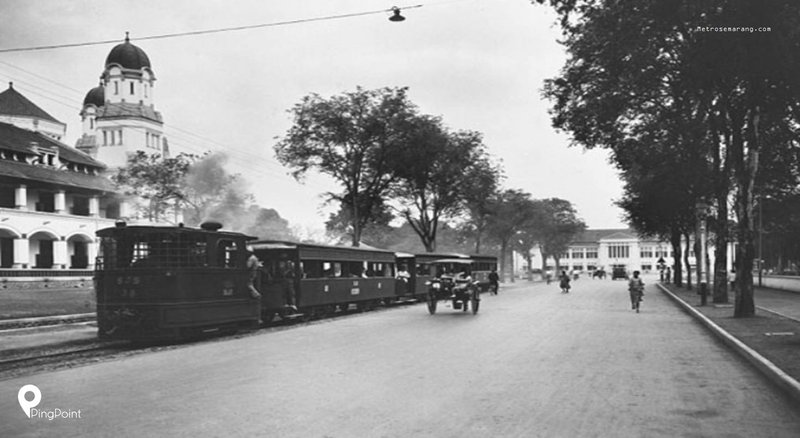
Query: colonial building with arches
x=53 y=197
x=52 y=200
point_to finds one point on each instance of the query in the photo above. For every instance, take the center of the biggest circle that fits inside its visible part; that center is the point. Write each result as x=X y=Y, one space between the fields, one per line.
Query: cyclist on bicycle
x=564 y=282
x=636 y=290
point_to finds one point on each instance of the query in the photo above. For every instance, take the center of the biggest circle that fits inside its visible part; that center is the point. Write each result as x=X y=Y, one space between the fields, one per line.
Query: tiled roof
x=16 y=139
x=594 y=236
x=57 y=177
x=12 y=103
x=125 y=109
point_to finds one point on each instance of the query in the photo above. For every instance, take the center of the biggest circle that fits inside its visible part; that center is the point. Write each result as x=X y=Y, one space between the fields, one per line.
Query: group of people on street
x=635 y=287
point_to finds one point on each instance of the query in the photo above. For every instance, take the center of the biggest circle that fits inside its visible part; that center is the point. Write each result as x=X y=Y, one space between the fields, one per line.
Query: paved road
x=533 y=362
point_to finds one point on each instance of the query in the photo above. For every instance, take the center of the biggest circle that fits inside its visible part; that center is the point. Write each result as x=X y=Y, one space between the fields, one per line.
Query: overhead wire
x=245 y=158
x=206 y=31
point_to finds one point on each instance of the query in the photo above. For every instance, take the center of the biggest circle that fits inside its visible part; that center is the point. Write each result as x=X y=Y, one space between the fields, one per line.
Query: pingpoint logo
x=29 y=406
x=23 y=401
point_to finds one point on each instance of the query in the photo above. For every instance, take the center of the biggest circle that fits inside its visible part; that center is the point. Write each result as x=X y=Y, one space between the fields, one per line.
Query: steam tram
x=157 y=282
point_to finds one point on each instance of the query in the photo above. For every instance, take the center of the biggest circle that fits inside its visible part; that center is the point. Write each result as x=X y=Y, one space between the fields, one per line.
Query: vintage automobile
x=451 y=285
x=619 y=272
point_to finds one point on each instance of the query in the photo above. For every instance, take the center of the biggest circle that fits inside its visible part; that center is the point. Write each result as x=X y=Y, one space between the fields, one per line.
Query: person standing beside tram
x=253 y=267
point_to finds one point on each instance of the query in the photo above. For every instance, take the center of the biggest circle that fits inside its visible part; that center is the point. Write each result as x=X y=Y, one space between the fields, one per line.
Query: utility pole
x=760 y=236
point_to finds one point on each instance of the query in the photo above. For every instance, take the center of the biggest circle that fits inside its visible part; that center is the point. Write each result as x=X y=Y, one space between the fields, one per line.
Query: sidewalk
x=770 y=341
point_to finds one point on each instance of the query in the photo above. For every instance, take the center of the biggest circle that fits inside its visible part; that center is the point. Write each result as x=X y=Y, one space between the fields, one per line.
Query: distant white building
x=119 y=115
x=608 y=249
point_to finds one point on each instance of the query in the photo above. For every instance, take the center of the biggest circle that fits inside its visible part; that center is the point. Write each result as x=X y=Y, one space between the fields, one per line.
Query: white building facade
x=52 y=200
x=607 y=249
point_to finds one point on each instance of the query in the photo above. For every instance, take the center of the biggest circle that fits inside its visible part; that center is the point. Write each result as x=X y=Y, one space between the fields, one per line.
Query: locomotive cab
x=156 y=282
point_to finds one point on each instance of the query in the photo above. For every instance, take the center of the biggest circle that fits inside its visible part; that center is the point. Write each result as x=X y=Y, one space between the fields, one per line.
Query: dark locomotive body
x=172 y=282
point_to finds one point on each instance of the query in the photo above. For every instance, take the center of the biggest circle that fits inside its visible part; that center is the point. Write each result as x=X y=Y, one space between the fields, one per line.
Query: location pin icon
x=28 y=405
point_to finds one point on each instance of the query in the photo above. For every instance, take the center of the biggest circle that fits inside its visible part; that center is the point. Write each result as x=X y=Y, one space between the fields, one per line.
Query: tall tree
x=480 y=186
x=436 y=171
x=631 y=60
x=349 y=137
x=557 y=224
x=512 y=212
x=156 y=180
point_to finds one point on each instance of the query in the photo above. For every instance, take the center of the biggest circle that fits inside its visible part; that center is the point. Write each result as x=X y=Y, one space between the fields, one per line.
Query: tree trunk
x=529 y=261
x=722 y=171
x=356 y=222
x=478 y=234
x=503 y=248
x=686 y=262
x=746 y=166
x=511 y=264
x=721 y=252
x=677 y=275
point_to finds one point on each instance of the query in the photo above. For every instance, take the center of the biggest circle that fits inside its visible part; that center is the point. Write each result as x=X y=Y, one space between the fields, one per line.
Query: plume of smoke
x=211 y=193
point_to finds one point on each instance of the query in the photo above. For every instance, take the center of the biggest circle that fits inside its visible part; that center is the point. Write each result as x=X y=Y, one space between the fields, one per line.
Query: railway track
x=35 y=356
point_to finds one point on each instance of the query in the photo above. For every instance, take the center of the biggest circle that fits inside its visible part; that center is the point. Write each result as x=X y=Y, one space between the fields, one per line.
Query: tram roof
x=152 y=229
x=316 y=251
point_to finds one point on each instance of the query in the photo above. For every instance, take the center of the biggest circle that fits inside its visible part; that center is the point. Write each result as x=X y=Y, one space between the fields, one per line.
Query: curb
x=777 y=376
x=45 y=320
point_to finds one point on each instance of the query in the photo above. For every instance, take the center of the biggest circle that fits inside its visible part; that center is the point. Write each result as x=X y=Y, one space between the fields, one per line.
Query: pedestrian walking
x=564 y=282
x=636 y=290
x=494 y=282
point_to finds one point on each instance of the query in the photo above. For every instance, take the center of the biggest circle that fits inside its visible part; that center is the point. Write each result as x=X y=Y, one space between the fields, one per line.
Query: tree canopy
x=647 y=79
x=349 y=137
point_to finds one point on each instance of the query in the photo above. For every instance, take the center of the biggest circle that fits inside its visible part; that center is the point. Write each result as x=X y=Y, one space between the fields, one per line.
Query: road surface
x=532 y=362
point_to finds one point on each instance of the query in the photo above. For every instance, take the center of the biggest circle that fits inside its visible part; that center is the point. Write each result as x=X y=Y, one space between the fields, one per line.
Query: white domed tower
x=119 y=116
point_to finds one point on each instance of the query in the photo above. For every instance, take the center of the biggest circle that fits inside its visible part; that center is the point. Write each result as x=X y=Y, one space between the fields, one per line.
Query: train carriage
x=316 y=279
x=482 y=266
x=160 y=282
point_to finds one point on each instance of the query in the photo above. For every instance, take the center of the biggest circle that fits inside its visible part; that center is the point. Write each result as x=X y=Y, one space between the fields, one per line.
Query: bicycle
x=636 y=300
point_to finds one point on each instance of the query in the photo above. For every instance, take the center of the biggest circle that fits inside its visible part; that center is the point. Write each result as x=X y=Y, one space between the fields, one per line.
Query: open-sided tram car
x=318 y=279
x=160 y=282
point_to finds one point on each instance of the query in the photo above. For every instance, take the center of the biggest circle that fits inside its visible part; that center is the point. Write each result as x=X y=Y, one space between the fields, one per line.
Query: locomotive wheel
x=476 y=302
x=432 y=303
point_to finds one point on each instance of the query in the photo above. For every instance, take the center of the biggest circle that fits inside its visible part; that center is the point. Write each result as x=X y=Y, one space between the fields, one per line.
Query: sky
x=480 y=65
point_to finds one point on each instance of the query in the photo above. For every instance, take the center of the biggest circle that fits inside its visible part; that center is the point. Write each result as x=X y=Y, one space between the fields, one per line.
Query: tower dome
x=128 y=56
x=96 y=96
